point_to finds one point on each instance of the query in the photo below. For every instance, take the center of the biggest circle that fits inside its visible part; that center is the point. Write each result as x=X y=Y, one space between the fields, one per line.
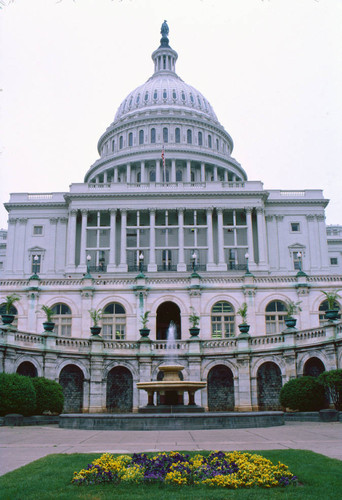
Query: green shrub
x=332 y=383
x=49 y=396
x=17 y=394
x=303 y=394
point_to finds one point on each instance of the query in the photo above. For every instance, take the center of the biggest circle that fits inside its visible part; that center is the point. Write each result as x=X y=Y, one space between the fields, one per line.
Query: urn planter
x=194 y=331
x=244 y=328
x=144 y=332
x=7 y=319
x=331 y=314
x=95 y=330
x=48 y=326
x=290 y=322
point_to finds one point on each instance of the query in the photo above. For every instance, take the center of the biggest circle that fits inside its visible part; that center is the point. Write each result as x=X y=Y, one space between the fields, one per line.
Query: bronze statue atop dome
x=164 y=30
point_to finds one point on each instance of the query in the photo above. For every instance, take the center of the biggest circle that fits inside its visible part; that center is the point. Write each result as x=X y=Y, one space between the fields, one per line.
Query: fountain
x=170 y=390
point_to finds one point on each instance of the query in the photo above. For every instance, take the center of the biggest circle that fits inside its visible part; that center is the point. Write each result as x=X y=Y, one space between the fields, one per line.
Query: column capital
x=269 y=217
x=84 y=211
x=310 y=217
x=279 y=218
x=123 y=210
x=320 y=218
x=73 y=212
x=113 y=211
x=12 y=220
x=63 y=220
x=219 y=210
x=23 y=220
x=260 y=210
x=53 y=220
x=249 y=209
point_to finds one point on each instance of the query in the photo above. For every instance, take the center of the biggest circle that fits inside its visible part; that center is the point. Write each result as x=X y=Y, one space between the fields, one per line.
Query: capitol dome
x=165 y=113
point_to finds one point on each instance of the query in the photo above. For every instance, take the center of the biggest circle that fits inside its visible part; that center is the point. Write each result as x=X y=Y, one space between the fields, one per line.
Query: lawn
x=50 y=478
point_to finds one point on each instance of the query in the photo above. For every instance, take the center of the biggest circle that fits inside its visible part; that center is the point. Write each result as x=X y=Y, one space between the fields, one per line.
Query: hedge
x=303 y=394
x=332 y=383
x=49 y=396
x=17 y=394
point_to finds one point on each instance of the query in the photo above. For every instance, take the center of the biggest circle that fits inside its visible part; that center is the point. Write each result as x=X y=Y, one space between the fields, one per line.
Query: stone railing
x=163 y=345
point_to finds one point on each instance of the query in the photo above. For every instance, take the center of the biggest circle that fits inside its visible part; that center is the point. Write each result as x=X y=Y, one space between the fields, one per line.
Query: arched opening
x=313 y=367
x=269 y=384
x=71 y=379
x=220 y=387
x=119 y=398
x=167 y=312
x=28 y=369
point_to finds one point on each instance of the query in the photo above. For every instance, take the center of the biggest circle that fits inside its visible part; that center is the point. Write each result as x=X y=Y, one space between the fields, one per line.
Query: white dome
x=165 y=90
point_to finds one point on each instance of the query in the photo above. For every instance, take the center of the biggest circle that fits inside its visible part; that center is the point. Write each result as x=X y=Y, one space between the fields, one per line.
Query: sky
x=271 y=69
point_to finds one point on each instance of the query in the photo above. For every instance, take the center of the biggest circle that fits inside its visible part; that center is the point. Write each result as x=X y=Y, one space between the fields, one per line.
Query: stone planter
x=331 y=314
x=48 y=326
x=290 y=322
x=7 y=319
x=144 y=332
x=95 y=330
x=244 y=328
x=194 y=331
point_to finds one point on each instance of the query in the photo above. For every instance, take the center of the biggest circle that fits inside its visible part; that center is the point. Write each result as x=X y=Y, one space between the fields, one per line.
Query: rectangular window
x=297 y=261
x=295 y=227
x=333 y=261
x=37 y=230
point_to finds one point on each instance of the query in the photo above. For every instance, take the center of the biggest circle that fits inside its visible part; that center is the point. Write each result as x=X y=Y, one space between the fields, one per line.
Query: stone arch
x=220 y=298
x=71 y=378
x=269 y=384
x=28 y=369
x=313 y=367
x=119 y=300
x=306 y=356
x=31 y=360
x=166 y=312
x=119 y=393
x=220 y=388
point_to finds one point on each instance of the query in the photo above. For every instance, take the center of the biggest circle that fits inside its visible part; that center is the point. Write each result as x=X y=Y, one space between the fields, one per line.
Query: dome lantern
x=164 y=57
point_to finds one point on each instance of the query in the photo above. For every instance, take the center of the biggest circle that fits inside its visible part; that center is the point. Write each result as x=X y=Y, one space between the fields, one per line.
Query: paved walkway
x=21 y=445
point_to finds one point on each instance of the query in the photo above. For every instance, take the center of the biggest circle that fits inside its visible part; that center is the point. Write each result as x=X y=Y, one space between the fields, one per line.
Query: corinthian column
x=71 y=242
x=112 y=241
x=123 y=260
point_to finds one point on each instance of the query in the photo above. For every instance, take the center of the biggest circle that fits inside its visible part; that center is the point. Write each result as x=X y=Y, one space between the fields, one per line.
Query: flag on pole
x=163 y=160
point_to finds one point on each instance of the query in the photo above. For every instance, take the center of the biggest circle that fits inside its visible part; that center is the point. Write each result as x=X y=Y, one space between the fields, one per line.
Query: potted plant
x=48 y=325
x=8 y=317
x=96 y=316
x=242 y=312
x=194 y=320
x=333 y=309
x=292 y=308
x=144 y=331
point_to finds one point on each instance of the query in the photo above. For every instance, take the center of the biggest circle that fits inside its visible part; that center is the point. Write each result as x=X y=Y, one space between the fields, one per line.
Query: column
x=105 y=177
x=272 y=239
x=181 y=264
x=173 y=170
x=202 y=172
x=215 y=173
x=112 y=241
x=142 y=171
x=210 y=264
x=123 y=260
x=10 y=244
x=71 y=242
x=225 y=175
x=221 y=263
x=322 y=238
x=152 y=267
x=20 y=244
x=158 y=171
x=283 y=257
x=52 y=245
x=83 y=260
x=188 y=171
x=116 y=174
x=128 y=173
x=261 y=237
x=250 y=243
x=312 y=254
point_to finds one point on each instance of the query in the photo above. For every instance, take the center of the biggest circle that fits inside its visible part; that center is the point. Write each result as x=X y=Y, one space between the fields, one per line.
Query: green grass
x=49 y=478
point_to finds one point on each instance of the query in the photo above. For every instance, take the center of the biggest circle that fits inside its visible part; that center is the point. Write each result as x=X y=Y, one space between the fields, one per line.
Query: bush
x=332 y=383
x=17 y=394
x=49 y=396
x=303 y=394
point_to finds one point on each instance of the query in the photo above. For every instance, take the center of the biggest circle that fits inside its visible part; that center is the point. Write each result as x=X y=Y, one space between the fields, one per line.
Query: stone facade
x=166 y=221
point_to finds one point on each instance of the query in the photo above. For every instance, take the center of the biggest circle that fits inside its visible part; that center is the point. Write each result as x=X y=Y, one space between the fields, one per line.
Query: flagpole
x=163 y=158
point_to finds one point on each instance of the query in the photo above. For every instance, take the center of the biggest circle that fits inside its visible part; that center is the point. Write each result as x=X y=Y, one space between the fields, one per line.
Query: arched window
x=322 y=310
x=165 y=134
x=164 y=93
x=200 y=138
x=177 y=135
x=121 y=142
x=155 y=94
x=13 y=311
x=217 y=144
x=114 y=322
x=152 y=175
x=141 y=137
x=222 y=320
x=189 y=136
x=62 y=318
x=153 y=135
x=209 y=141
x=179 y=175
x=113 y=146
x=130 y=139
x=275 y=316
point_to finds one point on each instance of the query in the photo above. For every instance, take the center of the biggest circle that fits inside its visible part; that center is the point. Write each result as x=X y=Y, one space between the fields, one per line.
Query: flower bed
x=218 y=469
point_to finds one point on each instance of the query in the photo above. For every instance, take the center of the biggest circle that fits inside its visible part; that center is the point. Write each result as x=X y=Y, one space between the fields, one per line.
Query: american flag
x=163 y=156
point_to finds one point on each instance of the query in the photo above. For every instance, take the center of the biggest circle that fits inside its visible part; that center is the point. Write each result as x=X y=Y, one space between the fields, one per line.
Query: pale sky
x=272 y=70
